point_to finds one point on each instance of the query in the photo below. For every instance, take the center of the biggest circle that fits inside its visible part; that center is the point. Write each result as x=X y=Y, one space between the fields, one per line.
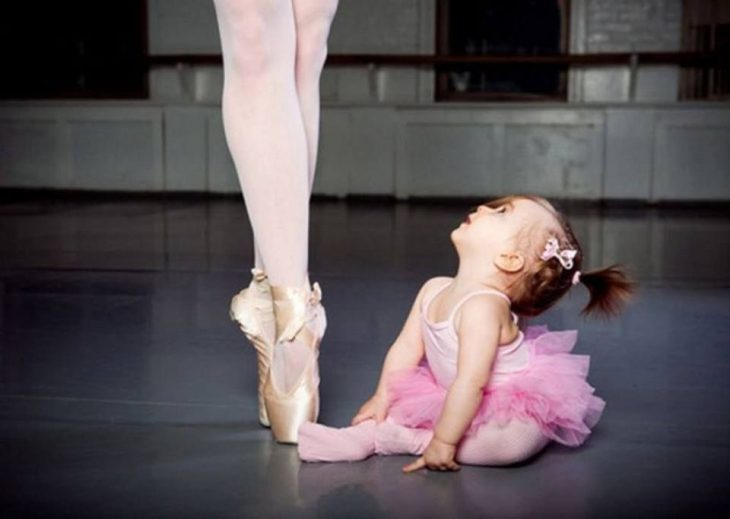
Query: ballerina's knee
x=312 y=34
x=259 y=42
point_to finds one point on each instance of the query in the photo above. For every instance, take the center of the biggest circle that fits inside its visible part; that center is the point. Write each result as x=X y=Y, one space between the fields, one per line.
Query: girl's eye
x=502 y=209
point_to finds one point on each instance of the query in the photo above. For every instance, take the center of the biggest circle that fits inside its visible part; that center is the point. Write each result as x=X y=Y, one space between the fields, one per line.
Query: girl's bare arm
x=479 y=332
x=405 y=352
x=407 y=349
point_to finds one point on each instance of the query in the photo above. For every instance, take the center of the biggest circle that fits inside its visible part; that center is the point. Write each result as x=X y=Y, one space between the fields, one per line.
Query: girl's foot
x=393 y=439
x=321 y=443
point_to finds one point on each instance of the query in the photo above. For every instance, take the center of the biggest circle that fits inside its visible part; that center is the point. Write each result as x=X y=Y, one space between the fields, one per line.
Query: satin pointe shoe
x=291 y=390
x=253 y=310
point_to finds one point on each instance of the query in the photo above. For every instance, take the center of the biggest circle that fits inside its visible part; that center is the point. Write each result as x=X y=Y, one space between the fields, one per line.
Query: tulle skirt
x=551 y=390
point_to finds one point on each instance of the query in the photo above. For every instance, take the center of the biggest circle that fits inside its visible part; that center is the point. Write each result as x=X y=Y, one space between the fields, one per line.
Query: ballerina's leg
x=265 y=132
x=313 y=20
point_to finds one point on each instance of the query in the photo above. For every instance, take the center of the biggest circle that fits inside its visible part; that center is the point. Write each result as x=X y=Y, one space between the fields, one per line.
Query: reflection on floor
x=125 y=390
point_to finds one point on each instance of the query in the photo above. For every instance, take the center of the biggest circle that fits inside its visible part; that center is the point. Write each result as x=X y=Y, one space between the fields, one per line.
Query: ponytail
x=610 y=288
x=558 y=268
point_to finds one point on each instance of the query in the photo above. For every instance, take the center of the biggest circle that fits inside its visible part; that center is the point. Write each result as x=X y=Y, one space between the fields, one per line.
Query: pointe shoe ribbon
x=291 y=304
x=301 y=318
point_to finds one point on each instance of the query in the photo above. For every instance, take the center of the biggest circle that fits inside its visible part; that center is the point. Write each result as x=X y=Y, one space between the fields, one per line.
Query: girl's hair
x=546 y=281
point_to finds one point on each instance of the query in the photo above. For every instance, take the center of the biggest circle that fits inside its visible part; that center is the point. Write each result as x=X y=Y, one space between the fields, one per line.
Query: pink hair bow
x=565 y=256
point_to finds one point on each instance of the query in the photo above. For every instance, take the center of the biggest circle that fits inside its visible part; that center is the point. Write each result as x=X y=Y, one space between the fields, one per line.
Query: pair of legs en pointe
x=273 y=54
x=492 y=444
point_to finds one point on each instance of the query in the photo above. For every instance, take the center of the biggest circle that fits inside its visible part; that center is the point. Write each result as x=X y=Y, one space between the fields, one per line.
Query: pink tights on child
x=491 y=445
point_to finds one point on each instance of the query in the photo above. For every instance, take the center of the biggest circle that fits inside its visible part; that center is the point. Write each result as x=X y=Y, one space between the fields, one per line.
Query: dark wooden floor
x=126 y=391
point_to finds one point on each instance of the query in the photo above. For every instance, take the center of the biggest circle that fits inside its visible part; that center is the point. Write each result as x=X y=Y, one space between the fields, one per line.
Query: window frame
x=442 y=92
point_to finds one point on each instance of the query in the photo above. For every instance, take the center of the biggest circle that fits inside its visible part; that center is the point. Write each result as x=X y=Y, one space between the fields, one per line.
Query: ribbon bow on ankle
x=565 y=256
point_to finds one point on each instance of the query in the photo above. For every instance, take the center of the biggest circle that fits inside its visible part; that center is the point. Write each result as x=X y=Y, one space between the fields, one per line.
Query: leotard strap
x=493 y=291
x=426 y=304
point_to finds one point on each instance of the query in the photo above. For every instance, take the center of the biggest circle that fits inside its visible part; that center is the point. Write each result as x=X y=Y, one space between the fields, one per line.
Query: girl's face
x=495 y=230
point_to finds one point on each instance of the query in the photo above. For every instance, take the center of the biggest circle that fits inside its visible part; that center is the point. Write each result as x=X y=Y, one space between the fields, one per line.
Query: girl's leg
x=265 y=132
x=502 y=445
x=321 y=443
x=313 y=19
x=491 y=445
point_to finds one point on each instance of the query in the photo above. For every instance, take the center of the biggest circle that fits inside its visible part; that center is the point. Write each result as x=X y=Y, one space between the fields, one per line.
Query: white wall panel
x=221 y=170
x=186 y=148
x=356 y=152
x=479 y=151
x=555 y=160
x=82 y=145
x=643 y=152
x=31 y=153
x=116 y=155
x=692 y=150
x=445 y=159
x=629 y=153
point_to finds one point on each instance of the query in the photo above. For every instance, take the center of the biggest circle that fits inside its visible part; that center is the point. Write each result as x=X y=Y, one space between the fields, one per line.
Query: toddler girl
x=488 y=393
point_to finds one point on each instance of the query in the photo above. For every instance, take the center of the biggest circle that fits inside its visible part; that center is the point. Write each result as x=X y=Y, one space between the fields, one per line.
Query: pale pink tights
x=492 y=444
x=273 y=54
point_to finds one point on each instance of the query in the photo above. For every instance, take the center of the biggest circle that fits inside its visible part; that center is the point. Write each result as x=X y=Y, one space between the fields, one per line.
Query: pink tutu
x=551 y=390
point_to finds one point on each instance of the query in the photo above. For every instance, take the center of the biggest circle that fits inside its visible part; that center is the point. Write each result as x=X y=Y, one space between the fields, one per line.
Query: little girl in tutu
x=462 y=383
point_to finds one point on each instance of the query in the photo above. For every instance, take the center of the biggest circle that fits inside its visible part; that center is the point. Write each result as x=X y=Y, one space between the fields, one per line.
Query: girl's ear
x=509 y=262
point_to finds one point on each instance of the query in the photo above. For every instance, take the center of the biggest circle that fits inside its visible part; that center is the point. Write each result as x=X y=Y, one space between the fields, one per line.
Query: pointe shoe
x=292 y=399
x=253 y=310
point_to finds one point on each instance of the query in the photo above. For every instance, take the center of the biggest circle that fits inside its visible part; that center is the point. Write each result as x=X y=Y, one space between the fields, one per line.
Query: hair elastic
x=576 y=277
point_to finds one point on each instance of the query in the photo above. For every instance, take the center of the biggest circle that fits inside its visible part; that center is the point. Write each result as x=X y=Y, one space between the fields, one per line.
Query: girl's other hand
x=437 y=456
x=376 y=408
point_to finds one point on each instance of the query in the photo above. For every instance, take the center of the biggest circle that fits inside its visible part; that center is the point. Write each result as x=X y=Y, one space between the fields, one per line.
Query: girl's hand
x=376 y=408
x=437 y=456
